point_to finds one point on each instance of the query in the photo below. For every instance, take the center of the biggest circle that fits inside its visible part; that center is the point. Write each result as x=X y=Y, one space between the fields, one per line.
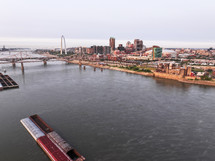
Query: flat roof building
x=138 y=45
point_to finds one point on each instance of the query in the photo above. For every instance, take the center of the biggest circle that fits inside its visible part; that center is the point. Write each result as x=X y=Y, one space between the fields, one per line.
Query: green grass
x=137 y=69
x=205 y=77
x=197 y=70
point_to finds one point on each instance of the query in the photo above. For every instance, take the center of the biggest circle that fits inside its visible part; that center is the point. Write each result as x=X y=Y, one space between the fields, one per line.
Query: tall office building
x=93 y=48
x=112 y=43
x=99 y=49
x=138 y=45
x=106 y=50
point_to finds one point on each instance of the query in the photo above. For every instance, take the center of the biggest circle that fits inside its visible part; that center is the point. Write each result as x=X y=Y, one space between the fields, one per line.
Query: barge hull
x=56 y=138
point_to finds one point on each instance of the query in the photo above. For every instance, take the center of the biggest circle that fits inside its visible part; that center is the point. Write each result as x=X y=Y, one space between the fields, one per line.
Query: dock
x=6 y=82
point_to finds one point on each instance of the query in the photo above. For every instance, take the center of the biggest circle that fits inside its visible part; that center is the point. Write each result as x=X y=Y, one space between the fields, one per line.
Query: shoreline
x=153 y=74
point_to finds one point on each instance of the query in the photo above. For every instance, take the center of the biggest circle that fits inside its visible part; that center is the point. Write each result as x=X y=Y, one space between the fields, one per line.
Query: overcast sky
x=171 y=20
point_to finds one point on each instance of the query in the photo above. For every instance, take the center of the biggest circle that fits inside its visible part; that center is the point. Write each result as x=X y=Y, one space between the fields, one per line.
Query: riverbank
x=112 y=68
x=198 y=82
x=184 y=80
x=153 y=74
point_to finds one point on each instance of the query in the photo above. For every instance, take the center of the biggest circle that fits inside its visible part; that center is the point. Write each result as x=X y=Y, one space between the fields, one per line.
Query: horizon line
x=32 y=42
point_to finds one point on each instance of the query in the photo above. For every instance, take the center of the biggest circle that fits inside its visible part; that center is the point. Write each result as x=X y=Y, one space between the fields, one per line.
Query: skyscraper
x=138 y=44
x=112 y=43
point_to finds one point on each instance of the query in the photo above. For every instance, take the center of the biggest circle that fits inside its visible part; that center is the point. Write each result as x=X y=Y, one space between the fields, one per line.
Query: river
x=108 y=115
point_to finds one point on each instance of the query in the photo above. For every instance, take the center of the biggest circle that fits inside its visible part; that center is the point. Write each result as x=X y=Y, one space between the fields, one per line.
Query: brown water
x=109 y=115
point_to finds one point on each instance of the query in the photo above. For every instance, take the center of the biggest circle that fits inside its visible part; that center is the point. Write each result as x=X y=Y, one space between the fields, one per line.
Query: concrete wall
x=167 y=76
x=199 y=82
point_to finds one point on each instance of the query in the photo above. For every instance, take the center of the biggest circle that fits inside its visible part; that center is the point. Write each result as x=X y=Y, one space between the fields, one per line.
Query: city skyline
x=56 y=43
x=168 y=21
x=109 y=80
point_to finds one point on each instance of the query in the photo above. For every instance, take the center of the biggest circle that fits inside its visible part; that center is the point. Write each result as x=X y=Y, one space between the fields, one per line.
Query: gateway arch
x=61 y=49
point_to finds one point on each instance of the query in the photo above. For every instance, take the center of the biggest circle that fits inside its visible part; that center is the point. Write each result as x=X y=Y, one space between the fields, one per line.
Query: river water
x=108 y=115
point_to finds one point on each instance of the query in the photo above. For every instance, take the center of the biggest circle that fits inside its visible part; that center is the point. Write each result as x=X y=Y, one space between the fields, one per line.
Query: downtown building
x=99 y=50
x=106 y=50
x=112 y=43
x=138 y=45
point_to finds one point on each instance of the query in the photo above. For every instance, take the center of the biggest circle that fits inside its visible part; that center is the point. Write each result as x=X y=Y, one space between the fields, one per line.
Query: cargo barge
x=56 y=148
x=6 y=82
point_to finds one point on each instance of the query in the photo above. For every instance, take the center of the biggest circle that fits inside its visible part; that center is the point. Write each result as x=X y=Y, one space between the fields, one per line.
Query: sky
x=190 y=21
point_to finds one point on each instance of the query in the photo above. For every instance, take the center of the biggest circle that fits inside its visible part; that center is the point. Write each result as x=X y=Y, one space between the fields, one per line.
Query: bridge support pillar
x=22 y=66
x=14 y=64
x=44 y=62
x=80 y=65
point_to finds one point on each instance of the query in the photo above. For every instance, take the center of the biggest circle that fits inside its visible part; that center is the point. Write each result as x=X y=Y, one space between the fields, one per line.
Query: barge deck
x=50 y=141
x=6 y=82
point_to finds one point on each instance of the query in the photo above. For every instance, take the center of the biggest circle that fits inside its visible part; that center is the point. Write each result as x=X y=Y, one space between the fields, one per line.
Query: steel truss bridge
x=24 y=57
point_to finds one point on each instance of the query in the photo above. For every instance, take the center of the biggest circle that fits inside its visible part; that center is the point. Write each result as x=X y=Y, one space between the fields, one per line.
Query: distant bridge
x=20 y=57
x=7 y=60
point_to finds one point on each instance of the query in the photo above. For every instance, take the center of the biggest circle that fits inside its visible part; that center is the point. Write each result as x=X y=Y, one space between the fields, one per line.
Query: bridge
x=26 y=57
x=18 y=56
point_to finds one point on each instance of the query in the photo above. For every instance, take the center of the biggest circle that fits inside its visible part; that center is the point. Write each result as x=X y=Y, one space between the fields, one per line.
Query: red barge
x=56 y=148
